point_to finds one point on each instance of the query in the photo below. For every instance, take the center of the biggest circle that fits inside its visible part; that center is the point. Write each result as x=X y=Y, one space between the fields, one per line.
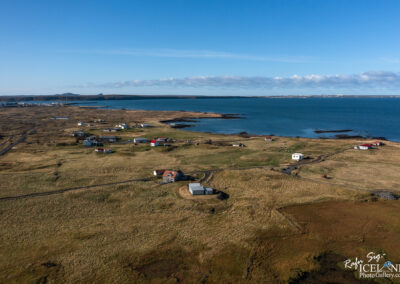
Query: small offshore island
x=271 y=219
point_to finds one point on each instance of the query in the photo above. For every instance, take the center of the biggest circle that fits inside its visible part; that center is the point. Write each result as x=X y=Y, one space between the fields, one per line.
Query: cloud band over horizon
x=373 y=79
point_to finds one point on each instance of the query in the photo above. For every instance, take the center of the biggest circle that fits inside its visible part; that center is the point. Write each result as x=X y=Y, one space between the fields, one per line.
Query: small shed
x=162 y=139
x=80 y=123
x=78 y=134
x=158 y=173
x=140 y=140
x=297 y=156
x=153 y=143
x=208 y=191
x=239 y=145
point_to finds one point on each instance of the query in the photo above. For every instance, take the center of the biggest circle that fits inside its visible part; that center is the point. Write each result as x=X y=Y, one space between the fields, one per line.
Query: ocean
x=370 y=117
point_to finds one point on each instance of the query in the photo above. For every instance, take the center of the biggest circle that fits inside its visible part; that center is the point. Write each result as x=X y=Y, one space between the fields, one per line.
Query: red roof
x=366 y=145
x=153 y=141
x=267 y=137
x=172 y=173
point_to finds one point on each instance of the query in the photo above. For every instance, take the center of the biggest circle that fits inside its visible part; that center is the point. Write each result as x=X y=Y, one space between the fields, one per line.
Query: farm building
x=162 y=139
x=158 y=173
x=377 y=143
x=173 y=176
x=90 y=143
x=364 y=147
x=60 y=117
x=122 y=126
x=153 y=143
x=78 y=134
x=239 y=145
x=143 y=125
x=197 y=189
x=140 y=140
x=101 y=150
x=268 y=138
x=109 y=139
x=111 y=130
x=80 y=123
x=297 y=156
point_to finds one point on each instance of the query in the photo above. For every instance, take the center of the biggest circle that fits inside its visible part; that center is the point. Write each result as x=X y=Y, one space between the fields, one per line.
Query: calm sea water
x=286 y=116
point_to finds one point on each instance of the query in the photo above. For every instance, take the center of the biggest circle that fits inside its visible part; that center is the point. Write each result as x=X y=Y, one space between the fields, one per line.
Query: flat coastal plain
x=69 y=214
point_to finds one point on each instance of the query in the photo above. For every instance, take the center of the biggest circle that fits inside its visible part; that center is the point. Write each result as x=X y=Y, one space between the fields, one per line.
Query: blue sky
x=200 y=47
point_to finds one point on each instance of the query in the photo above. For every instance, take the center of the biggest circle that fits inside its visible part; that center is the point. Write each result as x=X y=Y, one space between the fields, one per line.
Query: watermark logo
x=374 y=265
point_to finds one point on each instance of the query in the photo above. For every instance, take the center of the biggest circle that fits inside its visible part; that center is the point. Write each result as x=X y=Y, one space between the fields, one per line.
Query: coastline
x=190 y=120
x=101 y=97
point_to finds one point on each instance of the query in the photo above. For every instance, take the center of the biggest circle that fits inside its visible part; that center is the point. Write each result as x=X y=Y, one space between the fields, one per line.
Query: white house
x=297 y=156
x=365 y=147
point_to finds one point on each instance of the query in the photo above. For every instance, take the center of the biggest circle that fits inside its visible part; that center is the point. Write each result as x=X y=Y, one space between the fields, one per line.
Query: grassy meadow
x=272 y=228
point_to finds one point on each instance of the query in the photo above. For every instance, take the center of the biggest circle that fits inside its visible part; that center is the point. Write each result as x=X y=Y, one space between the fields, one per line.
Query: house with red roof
x=377 y=143
x=364 y=147
x=268 y=138
x=173 y=176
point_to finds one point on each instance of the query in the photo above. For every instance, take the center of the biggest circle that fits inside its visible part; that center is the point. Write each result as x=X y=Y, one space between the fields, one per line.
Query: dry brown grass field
x=273 y=227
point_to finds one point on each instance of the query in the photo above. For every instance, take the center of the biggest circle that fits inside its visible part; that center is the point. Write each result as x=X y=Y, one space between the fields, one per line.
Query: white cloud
x=373 y=79
x=178 y=53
